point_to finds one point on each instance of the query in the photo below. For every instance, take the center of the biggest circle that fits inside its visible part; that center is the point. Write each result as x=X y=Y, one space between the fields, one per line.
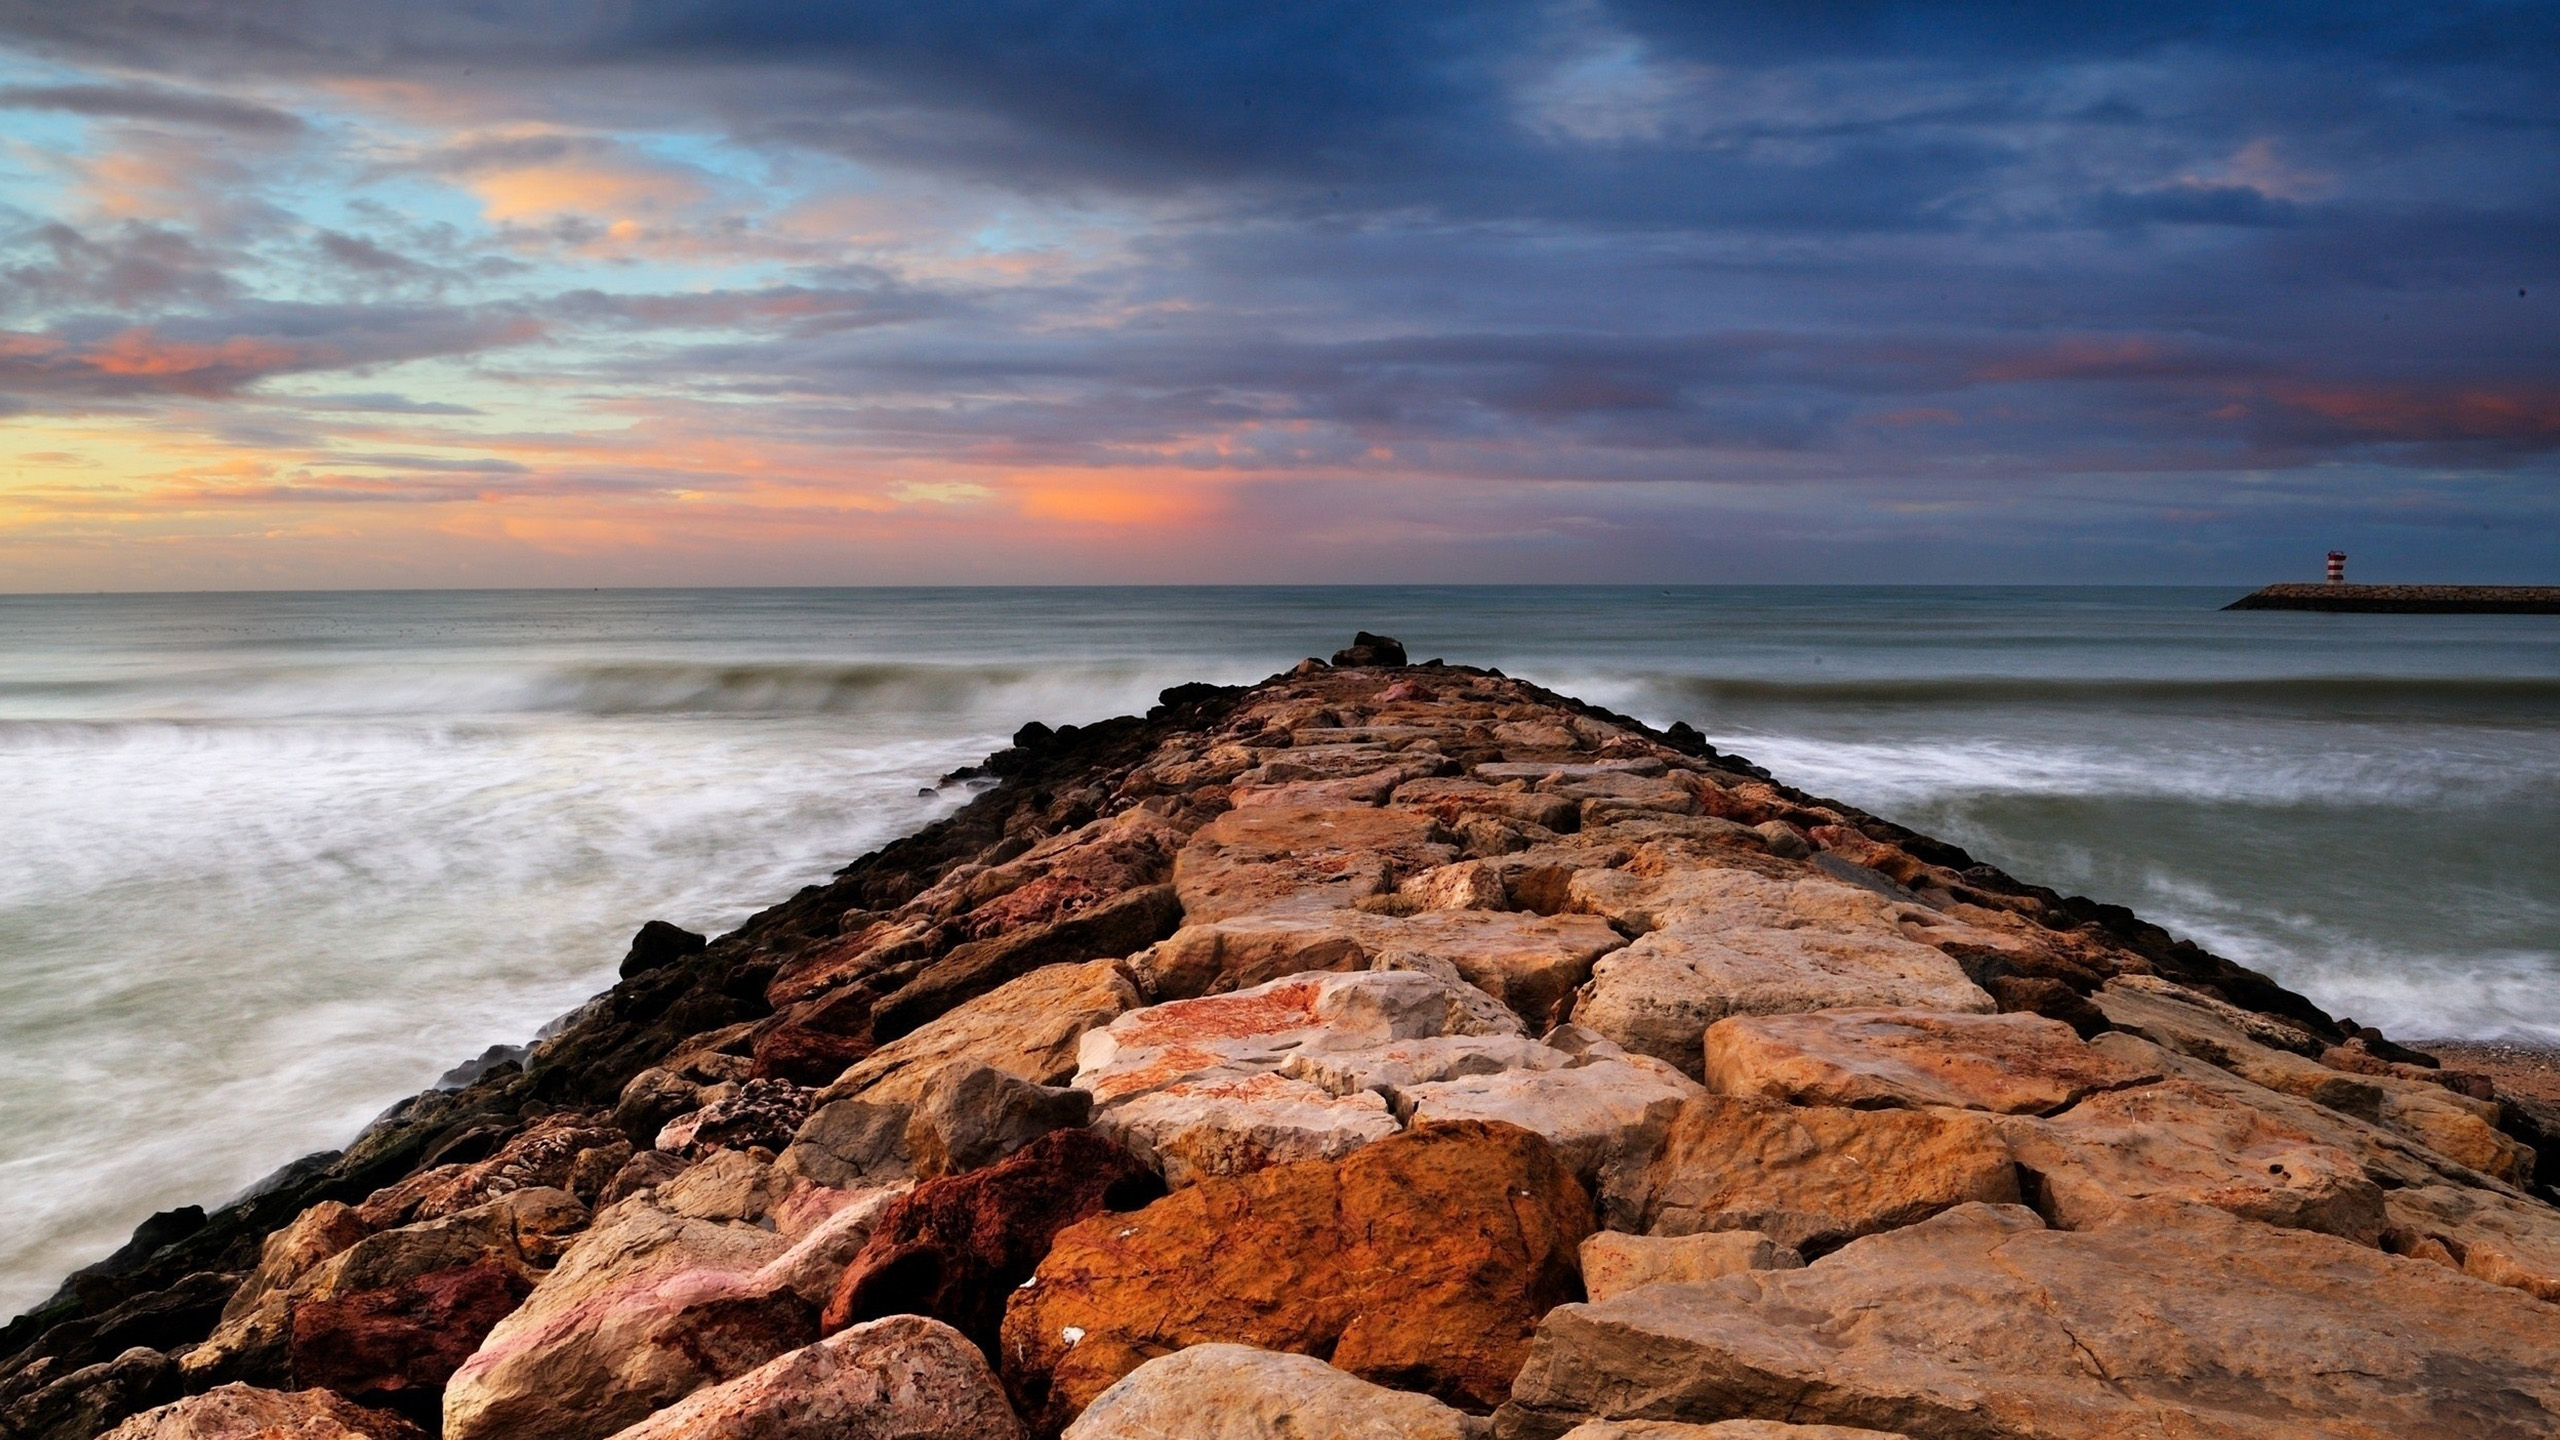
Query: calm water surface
x=268 y=863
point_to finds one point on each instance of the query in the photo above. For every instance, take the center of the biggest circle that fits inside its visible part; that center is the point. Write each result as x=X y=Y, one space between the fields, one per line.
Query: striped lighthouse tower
x=2337 y=567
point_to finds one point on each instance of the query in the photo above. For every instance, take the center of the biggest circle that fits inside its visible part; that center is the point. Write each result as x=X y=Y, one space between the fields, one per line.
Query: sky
x=332 y=293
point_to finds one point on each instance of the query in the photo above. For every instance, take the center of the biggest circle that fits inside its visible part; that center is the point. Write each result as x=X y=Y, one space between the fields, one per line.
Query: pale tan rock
x=2183 y=1142
x=1236 y=1392
x=1614 y=1262
x=2172 y=1322
x=1250 y=1031
x=1810 y=1177
x=2503 y=1239
x=1401 y=1064
x=1594 y=1114
x=1235 y=1125
x=1529 y=962
x=245 y=1412
x=1451 y=801
x=904 y=1377
x=1466 y=885
x=1276 y=858
x=1027 y=1028
x=2013 y=1064
x=1658 y=995
x=728 y=1185
x=2453 y=1126
x=1369 y=789
x=645 y=1308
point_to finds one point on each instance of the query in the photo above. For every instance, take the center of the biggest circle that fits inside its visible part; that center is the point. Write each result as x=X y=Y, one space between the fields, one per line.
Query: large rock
x=1596 y=1114
x=1249 y=1032
x=851 y=1143
x=954 y=1248
x=1236 y=1392
x=2503 y=1239
x=2177 y=1140
x=1111 y=929
x=90 y=1398
x=649 y=1305
x=1422 y=1261
x=973 y=1115
x=1532 y=963
x=762 y=1114
x=2268 y=1052
x=1614 y=1262
x=1983 y=1324
x=1027 y=1028
x=2014 y=1064
x=391 y=1312
x=1810 y=1177
x=1237 y=1124
x=901 y=1378
x=1276 y=858
x=244 y=1412
x=1658 y=995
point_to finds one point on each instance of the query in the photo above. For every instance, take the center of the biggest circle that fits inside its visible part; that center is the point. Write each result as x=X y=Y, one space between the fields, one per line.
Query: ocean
x=270 y=862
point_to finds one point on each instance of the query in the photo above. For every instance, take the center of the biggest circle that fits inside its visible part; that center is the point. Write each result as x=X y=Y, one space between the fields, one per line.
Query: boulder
x=1236 y=1392
x=2177 y=1140
x=652 y=1098
x=566 y=1150
x=395 y=1311
x=1276 y=858
x=1112 y=928
x=258 y=1319
x=1810 y=1177
x=900 y=1378
x=1027 y=1028
x=1422 y=1261
x=647 y=1306
x=78 y=1404
x=1614 y=1262
x=1368 y=649
x=1451 y=802
x=658 y=945
x=763 y=1114
x=1249 y=1032
x=2013 y=1064
x=1533 y=963
x=244 y=1412
x=2170 y=1321
x=973 y=1115
x=1466 y=885
x=2503 y=1239
x=851 y=1143
x=954 y=1248
x=1658 y=995
x=1595 y=1114
x=1237 y=1124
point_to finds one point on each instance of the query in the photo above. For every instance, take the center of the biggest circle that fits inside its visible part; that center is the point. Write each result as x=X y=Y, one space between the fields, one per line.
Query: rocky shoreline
x=1381 y=1050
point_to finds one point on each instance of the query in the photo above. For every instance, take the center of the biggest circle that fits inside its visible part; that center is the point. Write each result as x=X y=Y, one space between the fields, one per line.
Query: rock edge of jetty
x=2406 y=599
x=1380 y=1050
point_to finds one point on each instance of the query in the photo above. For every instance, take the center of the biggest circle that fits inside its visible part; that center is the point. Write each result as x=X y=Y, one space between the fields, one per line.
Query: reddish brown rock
x=544 y=1155
x=377 y=1344
x=1027 y=1028
x=956 y=1247
x=244 y=1412
x=1278 y=858
x=902 y=1378
x=2013 y=1064
x=1423 y=1261
x=1810 y=1177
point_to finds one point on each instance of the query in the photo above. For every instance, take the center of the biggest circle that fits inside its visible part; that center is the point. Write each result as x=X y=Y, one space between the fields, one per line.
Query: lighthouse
x=2337 y=567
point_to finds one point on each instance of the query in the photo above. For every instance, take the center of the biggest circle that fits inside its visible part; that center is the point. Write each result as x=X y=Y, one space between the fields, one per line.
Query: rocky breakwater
x=1382 y=1050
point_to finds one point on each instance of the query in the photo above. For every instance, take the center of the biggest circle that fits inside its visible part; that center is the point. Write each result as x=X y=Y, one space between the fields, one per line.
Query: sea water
x=270 y=862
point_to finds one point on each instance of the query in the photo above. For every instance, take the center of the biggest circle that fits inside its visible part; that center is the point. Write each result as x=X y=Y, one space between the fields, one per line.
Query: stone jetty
x=2406 y=599
x=1384 y=1050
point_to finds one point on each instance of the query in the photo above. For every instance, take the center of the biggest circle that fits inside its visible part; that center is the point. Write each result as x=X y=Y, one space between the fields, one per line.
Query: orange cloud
x=1087 y=504
x=2404 y=414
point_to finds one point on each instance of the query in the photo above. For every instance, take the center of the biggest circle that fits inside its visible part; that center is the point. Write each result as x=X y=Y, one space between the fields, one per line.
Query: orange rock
x=2013 y=1064
x=1423 y=1262
x=1278 y=857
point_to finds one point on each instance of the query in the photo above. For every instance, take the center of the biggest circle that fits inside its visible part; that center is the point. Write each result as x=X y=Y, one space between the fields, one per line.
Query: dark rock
x=2049 y=998
x=150 y=1237
x=1117 y=927
x=659 y=945
x=485 y=1063
x=763 y=1113
x=806 y=1055
x=955 y=1248
x=93 y=1398
x=1032 y=736
x=1368 y=649
x=653 y=1098
x=974 y=1115
x=645 y=1171
x=852 y=1143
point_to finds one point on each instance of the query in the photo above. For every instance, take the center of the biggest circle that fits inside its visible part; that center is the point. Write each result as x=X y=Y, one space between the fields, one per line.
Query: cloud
x=144 y=102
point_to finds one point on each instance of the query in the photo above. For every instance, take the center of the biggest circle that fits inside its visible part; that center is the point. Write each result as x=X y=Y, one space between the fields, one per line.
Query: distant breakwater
x=2406 y=599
